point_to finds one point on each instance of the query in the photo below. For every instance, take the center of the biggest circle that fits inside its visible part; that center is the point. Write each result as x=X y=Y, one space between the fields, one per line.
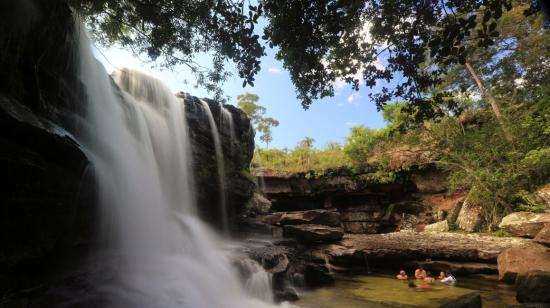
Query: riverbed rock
x=533 y=287
x=319 y=217
x=442 y=226
x=465 y=301
x=524 y=224
x=543 y=237
x=311 y=233
x=469 y=217
x=522 y=259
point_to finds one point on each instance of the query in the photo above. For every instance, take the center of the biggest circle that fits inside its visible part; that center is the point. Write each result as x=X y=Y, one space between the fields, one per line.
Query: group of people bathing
x=425 y=276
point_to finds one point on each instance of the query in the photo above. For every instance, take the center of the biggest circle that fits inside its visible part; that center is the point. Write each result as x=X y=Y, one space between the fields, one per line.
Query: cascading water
x=221 y=165
x=136 y=139
x=227 y=120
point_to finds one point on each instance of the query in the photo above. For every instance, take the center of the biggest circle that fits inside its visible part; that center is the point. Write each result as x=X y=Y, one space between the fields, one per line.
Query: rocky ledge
x=410 y=245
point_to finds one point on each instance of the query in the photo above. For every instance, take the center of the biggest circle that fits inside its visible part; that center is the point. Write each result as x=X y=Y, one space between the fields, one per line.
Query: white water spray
x=137 y=141
x=220 y=164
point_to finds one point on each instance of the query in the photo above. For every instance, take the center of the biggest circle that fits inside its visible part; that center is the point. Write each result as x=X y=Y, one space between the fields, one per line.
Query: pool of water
x=351 y=291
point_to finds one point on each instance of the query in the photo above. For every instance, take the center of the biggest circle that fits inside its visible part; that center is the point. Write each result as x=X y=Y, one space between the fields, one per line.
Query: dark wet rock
x=289 y=294
x=533 y=287
x=522 y=259
x=45 y=212
x=465 y=301
x=317 y=275
x=274 y=259
x=311 y=233
x=524 y=224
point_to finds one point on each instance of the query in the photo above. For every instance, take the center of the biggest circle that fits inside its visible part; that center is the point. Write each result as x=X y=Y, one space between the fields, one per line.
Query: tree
x=249 y=104
x=264 y=126
x=418 y=41
x=304 y=151
x=176 y=31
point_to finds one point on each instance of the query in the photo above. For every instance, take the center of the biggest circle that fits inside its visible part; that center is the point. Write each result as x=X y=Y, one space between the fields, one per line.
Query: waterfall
x=136 y=139
x=221 y=165
x=257 y=280
x=227 y=119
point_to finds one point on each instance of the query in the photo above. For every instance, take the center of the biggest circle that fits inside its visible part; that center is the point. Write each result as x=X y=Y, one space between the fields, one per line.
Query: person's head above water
x=402 y=272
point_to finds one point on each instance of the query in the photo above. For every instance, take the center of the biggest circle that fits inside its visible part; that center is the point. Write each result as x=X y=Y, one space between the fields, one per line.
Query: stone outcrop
x=310 y=233
x=543 y=237
x=533 y=287
x=518 y=260
x=524 y=224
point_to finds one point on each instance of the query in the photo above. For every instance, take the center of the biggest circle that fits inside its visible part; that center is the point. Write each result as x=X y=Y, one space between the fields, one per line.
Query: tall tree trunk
x=486 y=94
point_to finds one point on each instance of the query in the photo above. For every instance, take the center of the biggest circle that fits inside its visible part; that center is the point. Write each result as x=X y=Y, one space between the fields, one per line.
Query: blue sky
x=326 y=120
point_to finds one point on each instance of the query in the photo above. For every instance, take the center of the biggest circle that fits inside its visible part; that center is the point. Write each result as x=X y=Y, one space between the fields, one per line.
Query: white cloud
x=274 y=70
x=353 y=96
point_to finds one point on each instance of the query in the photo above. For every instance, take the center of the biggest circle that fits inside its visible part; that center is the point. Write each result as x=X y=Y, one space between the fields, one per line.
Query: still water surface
x=386 y=291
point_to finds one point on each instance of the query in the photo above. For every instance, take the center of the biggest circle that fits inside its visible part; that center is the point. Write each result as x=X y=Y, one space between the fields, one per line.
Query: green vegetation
x=249 y=104
x=302 y=158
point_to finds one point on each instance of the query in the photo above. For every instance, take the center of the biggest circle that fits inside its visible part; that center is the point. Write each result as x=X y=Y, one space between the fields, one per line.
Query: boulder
x=319 y=217
x=533 y=287
x=524 y=224
x=469 y=217
x=466 y=301
x=259 y=204
x=518 y=260
x=441 y=226
x=311 y=233
x=543 y=237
